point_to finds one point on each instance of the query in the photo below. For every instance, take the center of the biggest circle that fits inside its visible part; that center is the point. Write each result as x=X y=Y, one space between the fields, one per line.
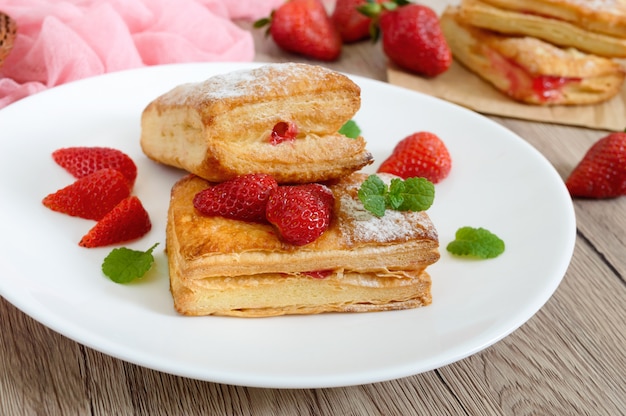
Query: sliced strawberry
x=242 y=198
x=300 y=213
x=91 y=196
x=82 y=161
x=602 y=171
x=421 y=154
x=304 y=27
x=127 y=221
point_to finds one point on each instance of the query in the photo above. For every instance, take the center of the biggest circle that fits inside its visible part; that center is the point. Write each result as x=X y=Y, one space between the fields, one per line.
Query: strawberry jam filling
x=522 y=84
x=318 y=274
x=283 y=131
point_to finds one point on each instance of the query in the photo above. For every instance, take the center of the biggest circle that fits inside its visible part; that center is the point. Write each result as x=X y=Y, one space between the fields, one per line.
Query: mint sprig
x=124 y=265
x=411 y=194
x=350 y=129
x=476 y=242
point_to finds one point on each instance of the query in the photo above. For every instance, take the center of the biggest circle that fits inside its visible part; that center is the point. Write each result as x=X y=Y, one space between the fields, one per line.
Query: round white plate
x=498 y=182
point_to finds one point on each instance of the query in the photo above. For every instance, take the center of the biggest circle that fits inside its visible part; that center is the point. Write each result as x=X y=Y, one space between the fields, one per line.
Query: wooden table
x=569 y=359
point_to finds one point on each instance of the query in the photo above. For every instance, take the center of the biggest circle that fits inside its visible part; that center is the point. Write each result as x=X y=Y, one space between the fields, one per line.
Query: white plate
x=498 y=181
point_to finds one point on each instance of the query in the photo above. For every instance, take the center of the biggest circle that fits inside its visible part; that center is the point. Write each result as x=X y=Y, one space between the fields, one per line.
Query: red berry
x=81 y=161
x=351 y=24
x=127 y=221
x=421 y=154
x=91 y=196
x=304 y=27
x=300 y=213
x=602 y=171
x=242 y=198
x=283 y=132
x=413 y=39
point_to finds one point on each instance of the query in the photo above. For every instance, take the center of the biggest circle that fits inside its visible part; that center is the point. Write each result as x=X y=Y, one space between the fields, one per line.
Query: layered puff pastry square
x=592 y=26
x=362 y=263
x=529 y=69
x=280 y=119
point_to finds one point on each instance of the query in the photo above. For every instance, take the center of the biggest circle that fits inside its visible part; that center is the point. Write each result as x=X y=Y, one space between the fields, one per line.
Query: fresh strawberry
x=304 y=27
x=300 y=213
x=412 y=38
x=81 y=161
x=242 y=198
x=91 y=196
x=602 y=171
x=127 y=221
x=421 y=154
x=351 y=24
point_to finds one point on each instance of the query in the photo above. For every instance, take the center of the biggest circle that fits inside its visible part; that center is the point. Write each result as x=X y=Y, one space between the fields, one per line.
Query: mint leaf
x=412 y=194
x=476 y=242
x=124 y=265
x=350 y=129
x=372 y=193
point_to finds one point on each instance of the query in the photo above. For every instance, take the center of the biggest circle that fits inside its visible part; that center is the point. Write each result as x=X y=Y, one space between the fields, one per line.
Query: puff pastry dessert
x=280 y=119
x=362 y=263
x=593 y=26
x=530 y=70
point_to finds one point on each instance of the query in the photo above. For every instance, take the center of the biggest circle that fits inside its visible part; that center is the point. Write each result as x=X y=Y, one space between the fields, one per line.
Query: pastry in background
x=530 y=70
x=279 y=119
x=8 y=30
x=593 y=26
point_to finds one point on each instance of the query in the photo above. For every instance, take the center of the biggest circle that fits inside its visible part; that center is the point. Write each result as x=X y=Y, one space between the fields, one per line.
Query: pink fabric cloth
x=65 y=40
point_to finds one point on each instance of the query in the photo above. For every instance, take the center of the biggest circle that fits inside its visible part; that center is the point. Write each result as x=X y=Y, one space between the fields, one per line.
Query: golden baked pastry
x=8 y=30
x=593 y=26
x=530 y=70
x=220 y=266
x=279 y=119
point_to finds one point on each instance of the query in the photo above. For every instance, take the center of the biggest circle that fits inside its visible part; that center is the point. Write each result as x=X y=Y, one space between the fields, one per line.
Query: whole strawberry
x=412 y=38
x=602 y=171
x=127 y=221
x=304 y=27
x=242 y=198
x=81 y=161
x=422 y=154
x=91 y=196
x=351 y=24
x=300 y=213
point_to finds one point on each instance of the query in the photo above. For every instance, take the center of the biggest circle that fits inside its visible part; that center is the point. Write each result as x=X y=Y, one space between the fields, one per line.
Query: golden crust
x=530 y=70
x=601 y=16
x=8 y=30
x=511 y=18
x=221 y=128
x=229 y=267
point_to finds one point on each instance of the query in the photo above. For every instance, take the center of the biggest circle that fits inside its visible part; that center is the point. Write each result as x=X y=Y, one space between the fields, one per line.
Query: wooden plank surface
x=569 y=359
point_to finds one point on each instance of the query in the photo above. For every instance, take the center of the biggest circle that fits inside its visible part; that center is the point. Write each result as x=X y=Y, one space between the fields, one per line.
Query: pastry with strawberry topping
x=319 y=250
x=283 y=120
x=531 y=70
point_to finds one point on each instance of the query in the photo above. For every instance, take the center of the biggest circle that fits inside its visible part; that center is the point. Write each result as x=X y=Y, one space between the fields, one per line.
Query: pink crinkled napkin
x=66 y=40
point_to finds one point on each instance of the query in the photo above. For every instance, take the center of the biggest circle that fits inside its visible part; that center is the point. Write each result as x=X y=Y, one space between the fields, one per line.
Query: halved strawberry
x=422 y=154
x=82 y=161
x=242 y=198
x=91 y=196
x=602 y=171
x=300 y=213
x=127 y=221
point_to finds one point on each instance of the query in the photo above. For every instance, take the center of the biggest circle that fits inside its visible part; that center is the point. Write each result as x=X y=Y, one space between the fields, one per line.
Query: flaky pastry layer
x=564 y=33
x=367 y=263
x=530 y=70
x=222 y=127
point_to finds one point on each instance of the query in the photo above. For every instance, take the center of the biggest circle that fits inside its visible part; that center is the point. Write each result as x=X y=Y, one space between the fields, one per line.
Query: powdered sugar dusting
x=275 y=79
x=361 y=226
